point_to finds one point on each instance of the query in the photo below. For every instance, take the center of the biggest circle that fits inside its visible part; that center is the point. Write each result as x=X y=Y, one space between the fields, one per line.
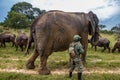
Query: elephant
x=21 y=41
x=53 y=31
x=7 y=37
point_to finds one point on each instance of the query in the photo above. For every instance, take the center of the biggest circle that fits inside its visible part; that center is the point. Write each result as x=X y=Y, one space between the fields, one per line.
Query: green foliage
x=21 y=15
x=21 y=7
x=16 y=20
x=116 y=29
x=1 y=23
x=27 y=9
x=101 y=26
x=106 y=32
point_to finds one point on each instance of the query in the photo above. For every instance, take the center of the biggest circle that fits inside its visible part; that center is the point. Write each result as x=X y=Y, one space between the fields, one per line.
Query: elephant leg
x=84 y=57
x=43 y=62
x=31 y=60
x=84 y=42
x=43 y=68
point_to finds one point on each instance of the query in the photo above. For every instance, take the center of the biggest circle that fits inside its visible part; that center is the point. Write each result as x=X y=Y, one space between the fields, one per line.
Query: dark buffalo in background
x=102 y=42
x=21 y=41
x=116 y=46
x=7 y=37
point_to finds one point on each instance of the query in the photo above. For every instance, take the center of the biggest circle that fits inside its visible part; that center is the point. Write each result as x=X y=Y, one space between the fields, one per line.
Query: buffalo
x=102 y=42
x=116 y=46
x=7 y=37
x=21 y=40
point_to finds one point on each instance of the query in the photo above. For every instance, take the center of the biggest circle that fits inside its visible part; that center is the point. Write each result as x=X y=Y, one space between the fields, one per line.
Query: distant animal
x=7 y=37
x=102 y=42
x=21 y=41
x=116 y=46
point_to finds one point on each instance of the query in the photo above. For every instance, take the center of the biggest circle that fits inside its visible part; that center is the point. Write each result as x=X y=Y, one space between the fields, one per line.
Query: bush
x=106 y=32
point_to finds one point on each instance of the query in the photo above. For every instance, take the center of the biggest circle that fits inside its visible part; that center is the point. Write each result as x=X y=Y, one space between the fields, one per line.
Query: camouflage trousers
x=76 y=63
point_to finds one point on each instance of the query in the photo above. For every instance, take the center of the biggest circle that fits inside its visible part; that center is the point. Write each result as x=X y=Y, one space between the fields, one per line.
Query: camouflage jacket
x=76 y=48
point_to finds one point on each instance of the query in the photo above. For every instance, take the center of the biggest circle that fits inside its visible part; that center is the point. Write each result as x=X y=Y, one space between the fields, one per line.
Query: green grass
x=20 y=76
x=12 y=59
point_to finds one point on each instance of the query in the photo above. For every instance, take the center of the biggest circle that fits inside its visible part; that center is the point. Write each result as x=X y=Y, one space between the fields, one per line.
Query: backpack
x=71 y=50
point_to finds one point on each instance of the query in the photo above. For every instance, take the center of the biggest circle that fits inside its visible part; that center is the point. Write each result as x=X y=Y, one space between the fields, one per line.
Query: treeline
x=21 y=15
x=114 y=30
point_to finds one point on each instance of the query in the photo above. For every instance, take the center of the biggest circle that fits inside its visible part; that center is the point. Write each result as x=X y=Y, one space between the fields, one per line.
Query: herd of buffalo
x=17 y=41
x=105 y=43
x=21 y=40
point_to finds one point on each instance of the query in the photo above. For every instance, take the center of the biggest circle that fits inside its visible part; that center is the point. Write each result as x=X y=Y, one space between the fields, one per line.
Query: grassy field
x=99 y=66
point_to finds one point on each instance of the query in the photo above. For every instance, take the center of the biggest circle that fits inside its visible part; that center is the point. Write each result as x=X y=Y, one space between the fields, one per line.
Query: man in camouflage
x=75 y=49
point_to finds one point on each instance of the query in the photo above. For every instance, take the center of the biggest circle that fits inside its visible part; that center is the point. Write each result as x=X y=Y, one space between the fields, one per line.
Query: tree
x=27 y=9
x=101 y=26
x=21 y=15
x=16 y=20
x=116 y=29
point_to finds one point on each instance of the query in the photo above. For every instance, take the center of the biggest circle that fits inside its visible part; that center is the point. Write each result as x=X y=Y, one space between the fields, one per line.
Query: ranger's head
x=76 y=38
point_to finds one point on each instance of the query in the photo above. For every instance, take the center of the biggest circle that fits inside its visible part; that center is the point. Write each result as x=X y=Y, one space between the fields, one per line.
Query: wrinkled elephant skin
x=54 y=30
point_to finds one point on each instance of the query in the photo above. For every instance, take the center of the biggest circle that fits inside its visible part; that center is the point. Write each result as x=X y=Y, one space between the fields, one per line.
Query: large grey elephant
x=54 y=30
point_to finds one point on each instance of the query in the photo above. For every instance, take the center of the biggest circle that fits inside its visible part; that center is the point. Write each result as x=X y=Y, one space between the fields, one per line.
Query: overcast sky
x=105 y=9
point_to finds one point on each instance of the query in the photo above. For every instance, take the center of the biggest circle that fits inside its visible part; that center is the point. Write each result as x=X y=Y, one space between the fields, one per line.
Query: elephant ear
x=93 y=23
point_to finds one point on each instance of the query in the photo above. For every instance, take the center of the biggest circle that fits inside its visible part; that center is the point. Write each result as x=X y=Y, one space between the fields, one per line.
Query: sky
x=107 y=11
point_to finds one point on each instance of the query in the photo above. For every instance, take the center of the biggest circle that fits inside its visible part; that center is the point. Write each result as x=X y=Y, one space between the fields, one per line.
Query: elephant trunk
x=94 y=39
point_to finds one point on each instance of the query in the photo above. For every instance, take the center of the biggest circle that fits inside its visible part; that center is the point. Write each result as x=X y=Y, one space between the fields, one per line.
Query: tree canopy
x=21 y=15
x=16 y=20
x=116 y=29
x=101 y=26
